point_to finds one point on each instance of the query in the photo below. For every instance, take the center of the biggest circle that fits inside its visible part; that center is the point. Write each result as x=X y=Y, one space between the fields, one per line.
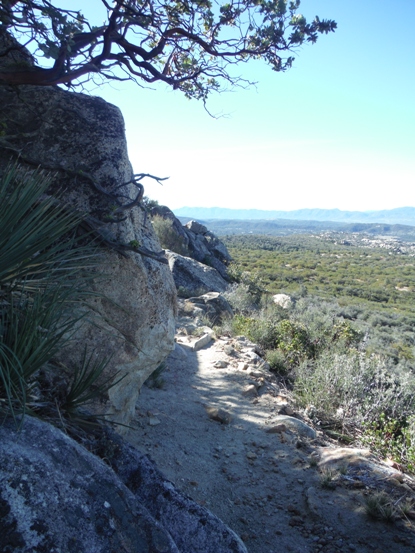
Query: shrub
x=277 y=362
x=261 y=330
x=293 y=340
x=380 y=507
x=248 y=289
x=149 y=203
x=355 y=388
x=240 y=298
x=168 y=237
x=393 y=438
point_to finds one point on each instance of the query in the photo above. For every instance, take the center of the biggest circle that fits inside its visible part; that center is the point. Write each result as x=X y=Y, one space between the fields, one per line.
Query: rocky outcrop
x=193 y=278
x=207 y=248
x=212 y=305
x=200 y=244
x=283 y=300
x=81 y=140
x=56 y=496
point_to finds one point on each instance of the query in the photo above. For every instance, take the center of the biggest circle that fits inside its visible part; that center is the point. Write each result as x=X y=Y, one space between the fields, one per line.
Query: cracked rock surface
x=57 y=497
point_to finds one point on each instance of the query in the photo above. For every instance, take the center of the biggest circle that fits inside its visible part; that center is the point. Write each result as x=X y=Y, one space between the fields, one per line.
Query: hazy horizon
x=289 y=210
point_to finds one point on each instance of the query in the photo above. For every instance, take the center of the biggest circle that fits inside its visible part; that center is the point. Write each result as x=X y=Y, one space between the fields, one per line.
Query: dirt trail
x=266 y=486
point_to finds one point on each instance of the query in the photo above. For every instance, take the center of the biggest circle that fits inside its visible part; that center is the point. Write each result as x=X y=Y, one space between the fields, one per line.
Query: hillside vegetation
x=380 y=277
x=345 y=345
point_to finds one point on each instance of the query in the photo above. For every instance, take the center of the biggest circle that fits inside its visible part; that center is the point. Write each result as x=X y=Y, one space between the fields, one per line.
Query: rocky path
x=213 y=422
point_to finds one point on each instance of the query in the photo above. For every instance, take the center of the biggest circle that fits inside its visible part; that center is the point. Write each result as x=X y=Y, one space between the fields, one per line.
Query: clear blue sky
x=338 y=130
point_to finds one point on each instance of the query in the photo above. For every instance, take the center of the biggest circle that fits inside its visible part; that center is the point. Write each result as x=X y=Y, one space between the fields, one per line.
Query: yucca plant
x=45 y=272
x=87 y=384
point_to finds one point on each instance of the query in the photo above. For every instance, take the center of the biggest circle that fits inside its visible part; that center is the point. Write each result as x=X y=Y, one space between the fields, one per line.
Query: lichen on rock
x=81 y=141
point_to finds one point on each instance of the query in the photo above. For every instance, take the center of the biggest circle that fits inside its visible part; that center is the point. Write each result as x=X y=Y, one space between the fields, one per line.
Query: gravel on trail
x=219 y=426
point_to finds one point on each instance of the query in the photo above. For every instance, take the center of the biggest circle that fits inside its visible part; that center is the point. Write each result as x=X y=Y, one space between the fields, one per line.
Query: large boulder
x=198 y=242
x=283 y=300
x=193 y=278
x=213 y=305
x=81 y=140
x=56 y=496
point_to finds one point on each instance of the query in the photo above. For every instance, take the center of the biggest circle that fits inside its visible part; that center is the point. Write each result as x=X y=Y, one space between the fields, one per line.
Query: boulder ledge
x=57 y=496
x=81 y=140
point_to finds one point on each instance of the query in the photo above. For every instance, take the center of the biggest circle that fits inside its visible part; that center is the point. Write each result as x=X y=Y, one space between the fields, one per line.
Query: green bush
x=260 y=330
x=248 y=289
x=293 y=340
x=392 y=438
x=168 y=237
x=278 y=362
x=355 y=388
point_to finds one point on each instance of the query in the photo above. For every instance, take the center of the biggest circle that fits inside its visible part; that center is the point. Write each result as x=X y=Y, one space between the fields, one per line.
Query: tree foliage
x=189 y=44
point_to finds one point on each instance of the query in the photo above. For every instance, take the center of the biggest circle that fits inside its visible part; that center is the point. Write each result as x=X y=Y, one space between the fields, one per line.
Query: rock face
x=201 y=244
x=207 y=248
x=56 y=496
x=81 y=139
x=193 y=278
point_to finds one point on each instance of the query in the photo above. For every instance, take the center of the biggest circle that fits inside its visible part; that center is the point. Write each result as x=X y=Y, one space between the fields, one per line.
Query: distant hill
x=399 y=216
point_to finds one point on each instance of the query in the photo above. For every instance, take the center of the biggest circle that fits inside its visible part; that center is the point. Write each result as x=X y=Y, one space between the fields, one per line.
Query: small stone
x=277 y=429
x=219 y=415
x=296 y=521
x=250 y=391
x=228 y=350
x=357 y=484
x=293 y=510
x=313 y=501
x=221 y=365
x=202 y=342
x=289 y=410
x=251 y=456
x=179 y=352
x=296 y=425
x=256 y=373
x=153 y=421
x=243 y=366
x=395 y=482
x=153 y=413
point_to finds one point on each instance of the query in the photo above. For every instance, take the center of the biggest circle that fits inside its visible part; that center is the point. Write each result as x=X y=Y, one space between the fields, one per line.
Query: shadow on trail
x=262 y=485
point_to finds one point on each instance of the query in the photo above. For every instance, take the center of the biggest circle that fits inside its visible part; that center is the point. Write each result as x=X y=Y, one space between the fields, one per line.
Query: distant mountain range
x=400 y=215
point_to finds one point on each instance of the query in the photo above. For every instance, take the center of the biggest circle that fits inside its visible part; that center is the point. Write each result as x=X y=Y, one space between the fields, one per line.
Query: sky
x=336 y=131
